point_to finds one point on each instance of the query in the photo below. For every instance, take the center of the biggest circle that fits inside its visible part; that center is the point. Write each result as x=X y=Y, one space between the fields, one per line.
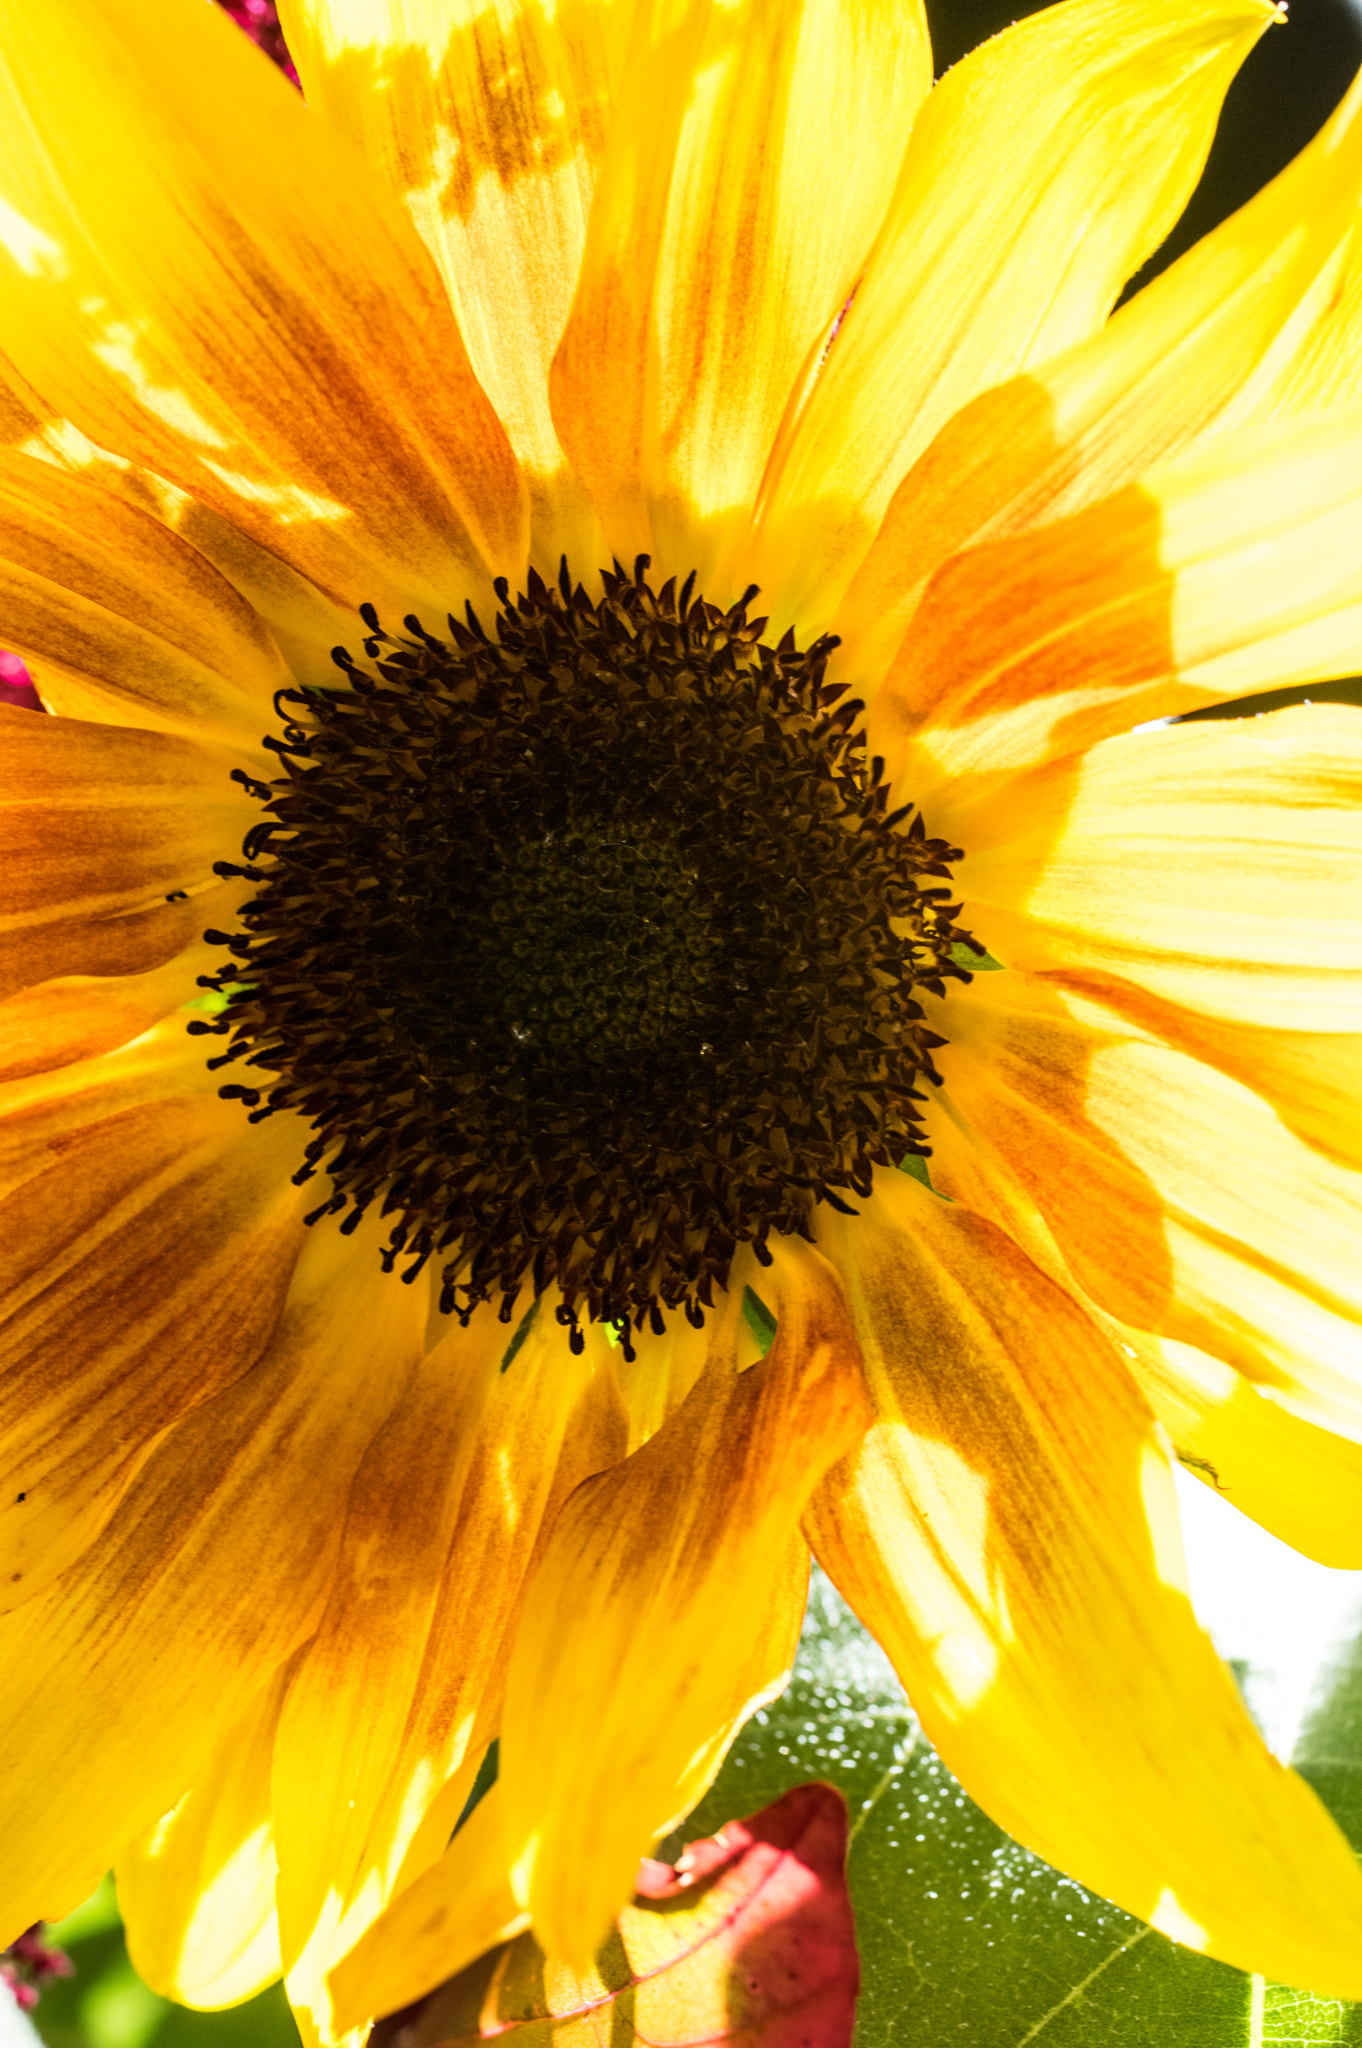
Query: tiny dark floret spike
x=587 y=946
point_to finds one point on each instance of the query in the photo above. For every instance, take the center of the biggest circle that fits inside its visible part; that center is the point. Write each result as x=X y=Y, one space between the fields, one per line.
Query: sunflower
x=614 y=972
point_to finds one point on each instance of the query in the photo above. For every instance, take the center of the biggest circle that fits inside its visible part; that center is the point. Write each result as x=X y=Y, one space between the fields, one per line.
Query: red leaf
x=747 y=1941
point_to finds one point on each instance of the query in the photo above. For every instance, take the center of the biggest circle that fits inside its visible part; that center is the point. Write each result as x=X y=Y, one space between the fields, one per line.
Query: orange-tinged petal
x=196 y=1891
x=144 y=1271
x=490 y=124
x=133 y=944
x=458 y=1909
x=165 y=1621
x=1298 y=1480
x=684 y=1575
x=1216 y=864
x=545 y=1423
x=1181 y=1202
x=40 y=1112
x=1234 y=571
x=347 y=1709
x=729 y=225
x=1177 y=363
x=1313 y=1079
x=303 y=623
x=62 y=1022
x=102 y=824
x=1041 y=172
x=209 y=280
x=1009 y=1531
x=121 y=620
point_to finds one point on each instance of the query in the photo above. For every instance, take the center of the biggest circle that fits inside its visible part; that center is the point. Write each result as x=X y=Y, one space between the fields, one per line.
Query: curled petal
x=196 y=1891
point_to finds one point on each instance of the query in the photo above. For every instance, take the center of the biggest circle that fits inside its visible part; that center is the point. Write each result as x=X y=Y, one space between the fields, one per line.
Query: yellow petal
x=1301 y=1482
x=122 y=1676
x=1311 y=1078
x=39 y=1111
x=100 y=824
x=1233 y=571
x=1174 y=365
x=196 y=1891
x=437 y=1658
x=343 y=1723
x=458 y=1909
x=1041 y=172
x=1295 y=1478
x=683 y=1575
x=1217 y=864
x=303 y=623
x=1180 y=1201
x=124 y=622
x=728 y=228
x=490 y=124
x=1009 y=1531
x=208 y=280
x=145 y=1271
x=60 y=1023
x=1314 y=368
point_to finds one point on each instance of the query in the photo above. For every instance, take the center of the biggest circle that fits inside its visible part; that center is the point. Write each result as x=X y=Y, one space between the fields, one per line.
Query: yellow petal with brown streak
x=210 y=281
x=684 y=1575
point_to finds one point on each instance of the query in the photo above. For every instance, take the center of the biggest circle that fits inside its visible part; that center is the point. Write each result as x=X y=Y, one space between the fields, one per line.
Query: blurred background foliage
x=963 y=1934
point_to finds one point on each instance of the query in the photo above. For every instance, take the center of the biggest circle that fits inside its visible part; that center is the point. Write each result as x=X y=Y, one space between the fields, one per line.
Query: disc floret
x=588 y=946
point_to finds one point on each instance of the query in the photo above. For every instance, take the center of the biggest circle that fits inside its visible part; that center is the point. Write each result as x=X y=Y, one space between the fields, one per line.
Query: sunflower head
x=588 y=946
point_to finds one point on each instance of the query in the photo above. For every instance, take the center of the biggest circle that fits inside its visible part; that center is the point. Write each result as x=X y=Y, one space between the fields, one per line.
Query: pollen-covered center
x=587 y=946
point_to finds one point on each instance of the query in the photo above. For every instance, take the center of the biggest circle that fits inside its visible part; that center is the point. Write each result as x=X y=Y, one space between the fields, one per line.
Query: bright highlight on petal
x=1133 y=860
x=490 y=125
x=458 y=1909
x=75 y=566
x=1196 y=351
x=247 y=377
x=196 y=1892
x=1109 y=1737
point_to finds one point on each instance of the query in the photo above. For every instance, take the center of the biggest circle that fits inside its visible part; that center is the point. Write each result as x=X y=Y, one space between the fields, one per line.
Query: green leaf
x=963 y=954
x=966 y=1939
x=1328 y=1750
x=759 y=1319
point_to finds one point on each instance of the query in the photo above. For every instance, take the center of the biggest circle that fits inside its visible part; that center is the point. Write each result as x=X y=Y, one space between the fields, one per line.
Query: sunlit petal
x=208 y=280
x=1009 y=1530
x=728 y=228
x=976 y=274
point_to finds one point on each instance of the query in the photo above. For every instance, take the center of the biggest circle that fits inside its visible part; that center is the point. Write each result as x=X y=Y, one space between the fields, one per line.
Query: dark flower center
x=588 y=947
